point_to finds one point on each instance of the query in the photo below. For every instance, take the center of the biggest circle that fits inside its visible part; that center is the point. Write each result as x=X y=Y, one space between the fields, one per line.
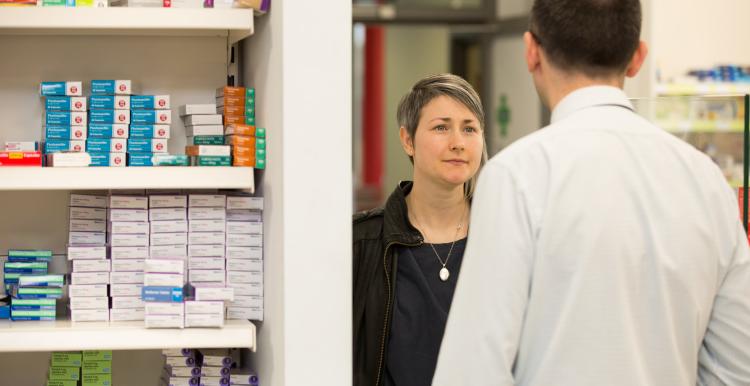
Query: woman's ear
x=407 y=141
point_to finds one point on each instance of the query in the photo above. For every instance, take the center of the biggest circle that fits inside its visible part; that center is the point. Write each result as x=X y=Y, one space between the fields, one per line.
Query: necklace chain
x=458 y=229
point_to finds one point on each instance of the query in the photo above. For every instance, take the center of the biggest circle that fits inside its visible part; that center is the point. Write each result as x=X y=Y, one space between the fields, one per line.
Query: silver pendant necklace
x=444 y=272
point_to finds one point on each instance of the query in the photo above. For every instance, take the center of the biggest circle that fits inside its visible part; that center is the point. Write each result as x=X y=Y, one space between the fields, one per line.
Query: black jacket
x=375 y=234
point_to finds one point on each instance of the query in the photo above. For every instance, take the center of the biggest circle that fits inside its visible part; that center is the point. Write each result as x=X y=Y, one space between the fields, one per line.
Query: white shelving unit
x=103 y=178
x=689 y=89
x=299 y=61
x=237 y=24
x=181 y=52
x=66 y=336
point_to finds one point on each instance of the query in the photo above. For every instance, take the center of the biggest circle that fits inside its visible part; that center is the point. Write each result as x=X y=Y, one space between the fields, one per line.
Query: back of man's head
x=596 y=38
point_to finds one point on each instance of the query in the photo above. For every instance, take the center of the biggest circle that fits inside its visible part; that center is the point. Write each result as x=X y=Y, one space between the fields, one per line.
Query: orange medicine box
x=243 y=151
x=233 y=119
x=233 y=111
x=239 y=141
x=230 y=91
x=231 y=101
x=240 y=129
x=243 y=161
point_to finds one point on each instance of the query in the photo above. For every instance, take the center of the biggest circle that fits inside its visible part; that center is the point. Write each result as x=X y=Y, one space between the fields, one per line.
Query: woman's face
x=447 y=146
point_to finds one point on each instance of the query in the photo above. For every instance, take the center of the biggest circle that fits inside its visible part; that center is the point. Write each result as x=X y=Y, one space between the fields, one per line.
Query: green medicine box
x=66 y=359
x=208 y=140
x=29 y=253
x=250 y=120
x=212 y=160
x=54 y=3
x=62 y=383
x=51 y=303
x=171 y=160
x=26 y=265
x=64 y=373
x=97 y=355
x=97 y=380
x=97 y=367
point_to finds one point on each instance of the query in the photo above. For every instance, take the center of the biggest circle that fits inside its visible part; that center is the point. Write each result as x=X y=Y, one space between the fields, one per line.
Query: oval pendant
x=444 y=274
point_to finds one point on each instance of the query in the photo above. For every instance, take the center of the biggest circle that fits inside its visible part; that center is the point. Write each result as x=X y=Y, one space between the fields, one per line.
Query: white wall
x=510 y=77
x=507 y=9
x=300 y=61
x=411 y=53
x=699 y=33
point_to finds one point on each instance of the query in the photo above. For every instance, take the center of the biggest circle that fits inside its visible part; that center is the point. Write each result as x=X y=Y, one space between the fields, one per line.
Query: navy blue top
x=420 y=311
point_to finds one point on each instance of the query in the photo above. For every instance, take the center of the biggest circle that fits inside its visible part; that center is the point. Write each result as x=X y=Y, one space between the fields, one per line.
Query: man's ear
x=532 y=51
x=637 y=61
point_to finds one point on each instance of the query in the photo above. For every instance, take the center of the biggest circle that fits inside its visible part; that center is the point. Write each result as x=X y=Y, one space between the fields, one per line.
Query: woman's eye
x=470 y=129
x=440 y=128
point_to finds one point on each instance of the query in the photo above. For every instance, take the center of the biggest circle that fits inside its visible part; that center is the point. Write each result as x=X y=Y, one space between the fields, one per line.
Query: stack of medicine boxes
x=64 y=117
x=149 y=132
x=244 y=255
x=31 y=302
x=237 y=104
x=248 y=145
x=129 y=241
x=216 y=365
x=206 y=260
x=87 y=240
x=65 y=369
x=181 y=367
x=129 y=249
x=110 y=117
x=201 y=134
x=164 y=270
x=203 y=127
x=96 y=368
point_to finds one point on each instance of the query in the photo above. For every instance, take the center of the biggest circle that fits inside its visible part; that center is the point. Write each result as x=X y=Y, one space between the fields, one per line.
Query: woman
x=407 y=255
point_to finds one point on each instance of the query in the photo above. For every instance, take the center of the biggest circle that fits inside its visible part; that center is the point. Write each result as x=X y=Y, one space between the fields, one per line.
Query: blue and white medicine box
x=149 y=131
x=149 y=102
x=111 y=87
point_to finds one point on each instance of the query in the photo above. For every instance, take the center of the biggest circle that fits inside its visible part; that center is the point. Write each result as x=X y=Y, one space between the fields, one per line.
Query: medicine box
x=149 y=102
x=111 y=87
x=108 y=130
x=149 y=131
x=109 y=102
x=108 y=159
x=60 y=89
x=65 y=103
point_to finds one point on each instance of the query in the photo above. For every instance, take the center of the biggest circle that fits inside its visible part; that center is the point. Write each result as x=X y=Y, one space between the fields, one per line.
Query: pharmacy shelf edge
x=102 y=178
x=237 y=24
x=62 y=335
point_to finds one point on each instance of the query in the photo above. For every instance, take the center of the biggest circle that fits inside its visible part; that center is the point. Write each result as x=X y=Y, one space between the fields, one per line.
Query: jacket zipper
x=387 y=309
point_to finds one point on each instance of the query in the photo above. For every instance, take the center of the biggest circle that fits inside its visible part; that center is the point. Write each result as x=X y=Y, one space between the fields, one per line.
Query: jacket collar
x=590 y=97
x=396 y=225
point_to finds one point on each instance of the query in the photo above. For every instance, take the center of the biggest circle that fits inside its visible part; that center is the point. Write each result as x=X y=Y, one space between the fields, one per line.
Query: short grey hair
x=424 y=91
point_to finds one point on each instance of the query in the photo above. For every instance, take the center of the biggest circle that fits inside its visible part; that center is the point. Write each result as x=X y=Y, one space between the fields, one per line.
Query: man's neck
x=565 y=83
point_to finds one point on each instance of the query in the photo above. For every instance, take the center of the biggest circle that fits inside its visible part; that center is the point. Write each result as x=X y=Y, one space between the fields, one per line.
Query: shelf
x=237 y=24
x=703 y=126
x=64 y=335
x=102 y=178
x=697 y=89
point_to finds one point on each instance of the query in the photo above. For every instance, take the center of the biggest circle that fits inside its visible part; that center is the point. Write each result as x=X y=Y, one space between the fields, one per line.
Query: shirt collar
x=590 y=97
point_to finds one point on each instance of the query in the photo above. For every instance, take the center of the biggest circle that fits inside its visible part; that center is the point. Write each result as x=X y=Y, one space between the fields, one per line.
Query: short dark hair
x=595 y=37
